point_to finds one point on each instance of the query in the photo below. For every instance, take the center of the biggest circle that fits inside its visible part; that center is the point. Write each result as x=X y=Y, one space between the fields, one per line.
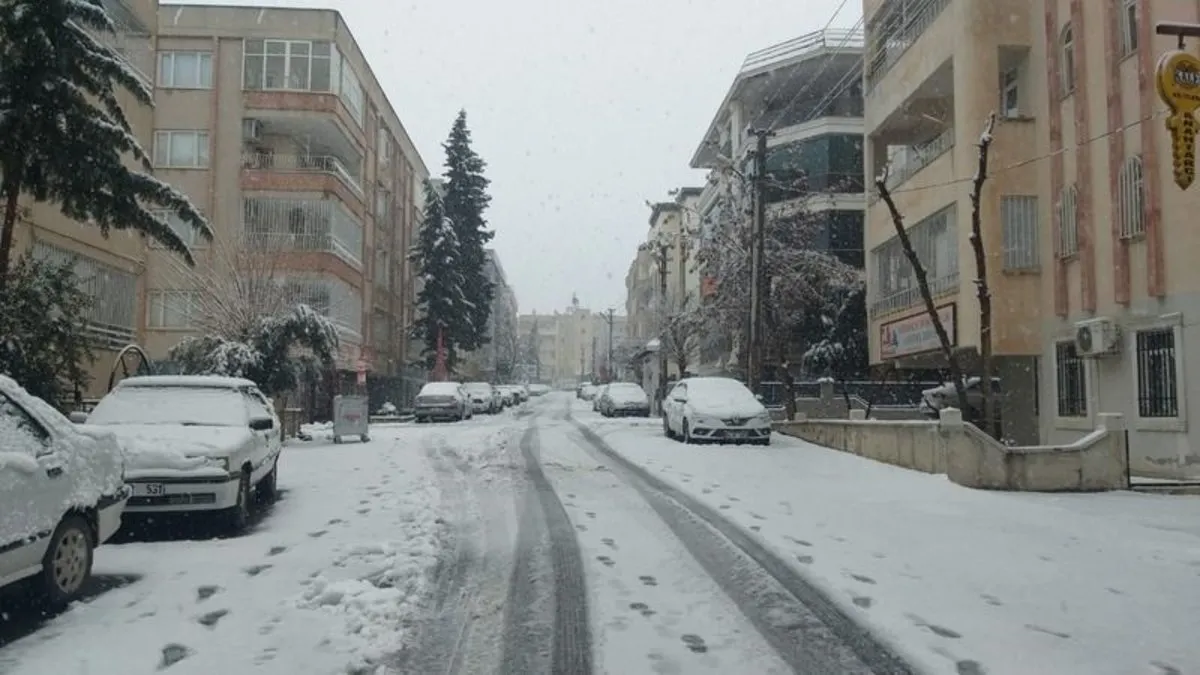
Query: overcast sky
x=583 y=110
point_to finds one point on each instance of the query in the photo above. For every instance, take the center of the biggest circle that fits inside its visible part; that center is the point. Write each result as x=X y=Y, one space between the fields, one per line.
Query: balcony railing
x=327 y=164
x=910 y=297
x=274 y=242
x=908 y=161
x=895 y=27
x=830 y=38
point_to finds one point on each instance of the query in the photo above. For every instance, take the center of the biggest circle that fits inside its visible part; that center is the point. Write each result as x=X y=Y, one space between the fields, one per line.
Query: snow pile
x=960 y=580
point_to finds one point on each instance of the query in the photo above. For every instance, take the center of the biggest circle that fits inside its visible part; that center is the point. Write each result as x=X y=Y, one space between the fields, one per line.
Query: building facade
x=496 y=361
x=934 y=71
x=572 y=345
x=1119 y=307
x=110 y=268
x=272 y=121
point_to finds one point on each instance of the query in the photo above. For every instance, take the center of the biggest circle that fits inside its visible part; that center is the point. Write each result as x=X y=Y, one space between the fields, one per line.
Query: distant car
x=62 y=493
x=624 y=398
x=716 y=409
x=538 y=390
x=442 y=401
x=587 y=392
x=508 y=395
x=194 y=443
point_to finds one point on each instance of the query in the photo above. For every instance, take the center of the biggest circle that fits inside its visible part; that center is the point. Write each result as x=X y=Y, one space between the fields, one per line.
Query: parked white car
x=442 y=400
x=624 y=398
x=484 y=398
x=62 y=493
x=715 y=409
x=194 y=443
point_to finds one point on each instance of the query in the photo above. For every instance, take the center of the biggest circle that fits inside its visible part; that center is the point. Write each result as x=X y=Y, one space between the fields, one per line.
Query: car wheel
x=667 y=428
x=67 y=563
x=268 y=487
x=239 y=515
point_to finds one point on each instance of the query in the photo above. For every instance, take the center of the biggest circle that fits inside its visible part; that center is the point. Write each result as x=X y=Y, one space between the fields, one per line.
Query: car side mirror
x=680 y=399
x=759 y=397
x=262 y=424
x=78 y=417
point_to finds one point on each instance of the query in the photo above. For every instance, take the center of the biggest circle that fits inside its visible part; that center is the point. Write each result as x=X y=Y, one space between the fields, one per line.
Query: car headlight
x=765 y=417
x=222 y=462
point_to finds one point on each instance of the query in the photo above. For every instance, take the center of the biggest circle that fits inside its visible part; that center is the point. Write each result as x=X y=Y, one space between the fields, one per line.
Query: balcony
x=304 y=225
x=895 y=27
x=907 y=161
x=326 y=165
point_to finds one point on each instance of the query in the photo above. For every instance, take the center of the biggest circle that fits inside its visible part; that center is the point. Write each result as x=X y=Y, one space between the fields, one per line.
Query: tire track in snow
x=548 y=629
x=460 y=633
x=806 y=629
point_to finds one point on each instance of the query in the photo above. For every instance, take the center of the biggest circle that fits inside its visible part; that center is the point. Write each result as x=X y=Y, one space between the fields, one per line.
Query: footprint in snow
x=205 y=592
x=255 y=570
x=862 y=579
x=694 y=643
x=862 y=601
x=172 y=654
x=642 y=608
x=648 y=580
x=608 y=562
x=318 y=534
x=581 y=528
x=210 y=619
x=755 y=528
x=805 y=559
x=591 y=514
x=363 y=512
x=335 y=521
x=609 y=543
x=276 y=550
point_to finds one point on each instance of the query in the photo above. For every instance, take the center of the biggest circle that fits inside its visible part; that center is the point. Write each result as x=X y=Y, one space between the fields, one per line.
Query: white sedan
x=62 y=492
x=717 y=409
x=194 y=443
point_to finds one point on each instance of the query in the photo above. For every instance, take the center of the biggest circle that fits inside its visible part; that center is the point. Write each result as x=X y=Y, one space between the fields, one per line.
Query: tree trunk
x=956 y=373
x=981 y=284
x=11 y=192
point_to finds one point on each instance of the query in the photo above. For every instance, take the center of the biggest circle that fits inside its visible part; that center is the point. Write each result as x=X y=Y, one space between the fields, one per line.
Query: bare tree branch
x=981 y=285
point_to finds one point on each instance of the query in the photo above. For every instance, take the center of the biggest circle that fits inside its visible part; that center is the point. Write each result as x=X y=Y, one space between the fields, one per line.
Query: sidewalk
x=960 y=581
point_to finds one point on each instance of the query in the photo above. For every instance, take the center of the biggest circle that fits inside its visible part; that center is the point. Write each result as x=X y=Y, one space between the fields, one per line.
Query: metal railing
x=908 y=161
x=830 y=38
x=910 y=297
x=269 y=161
x=895 y=27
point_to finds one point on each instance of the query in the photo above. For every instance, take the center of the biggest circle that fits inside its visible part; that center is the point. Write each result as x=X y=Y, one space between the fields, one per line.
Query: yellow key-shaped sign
x=1178 y=83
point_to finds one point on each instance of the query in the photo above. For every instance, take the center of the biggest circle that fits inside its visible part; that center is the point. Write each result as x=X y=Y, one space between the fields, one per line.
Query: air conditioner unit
x=1097 y=337
x=251 y=130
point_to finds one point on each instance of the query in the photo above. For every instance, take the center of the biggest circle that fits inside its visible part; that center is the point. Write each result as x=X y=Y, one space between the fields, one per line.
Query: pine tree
x=63 y=134
x=466 y=200
x=441 y=302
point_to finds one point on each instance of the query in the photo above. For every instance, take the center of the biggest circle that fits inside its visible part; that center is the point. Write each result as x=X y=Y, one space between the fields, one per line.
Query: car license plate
x=149 y=489
x=740 y=433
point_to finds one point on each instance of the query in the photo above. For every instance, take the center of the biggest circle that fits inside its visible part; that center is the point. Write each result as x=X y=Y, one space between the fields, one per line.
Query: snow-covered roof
x=187 y=381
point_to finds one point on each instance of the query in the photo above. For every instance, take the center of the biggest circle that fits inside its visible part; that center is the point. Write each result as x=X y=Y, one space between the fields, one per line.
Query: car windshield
x=719 y=391
x=188 y=406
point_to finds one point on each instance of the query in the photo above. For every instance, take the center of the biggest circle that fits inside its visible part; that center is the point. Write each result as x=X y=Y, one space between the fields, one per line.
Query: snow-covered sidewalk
x=323 y=584
x=959 y=581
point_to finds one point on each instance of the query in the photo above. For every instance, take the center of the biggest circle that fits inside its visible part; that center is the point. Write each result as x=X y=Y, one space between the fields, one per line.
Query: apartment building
x=110 y=268
x=934 y=71
x=573 y=343
x=808 y=92
x=272 y=121
x=1119 y=308
x=496 y=360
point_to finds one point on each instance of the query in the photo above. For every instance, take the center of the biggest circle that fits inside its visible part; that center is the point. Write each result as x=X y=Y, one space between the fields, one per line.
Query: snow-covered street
x=547 y=539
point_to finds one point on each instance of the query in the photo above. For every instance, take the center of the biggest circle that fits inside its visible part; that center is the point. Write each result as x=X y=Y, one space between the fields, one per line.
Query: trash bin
x=350 y=417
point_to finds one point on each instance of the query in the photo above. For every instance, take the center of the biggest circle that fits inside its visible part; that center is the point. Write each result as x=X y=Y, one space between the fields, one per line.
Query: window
x=172 y=309
x=333 y=298
x=181 y=149
x=1157 y=380
x=182 y=229
x=1067 y=64
x=185 y=70
x=1068 y=227
x=935 y=240
x=1070 y=380
x=1019 y=218
x=1131 y=197
x=384 y=146
x=383 y=272
x=296 y=65
x=112 y=317
x=353 y=95
x=20 y=431
x=1127 y=23
x=1010 y=93
x=382 y=203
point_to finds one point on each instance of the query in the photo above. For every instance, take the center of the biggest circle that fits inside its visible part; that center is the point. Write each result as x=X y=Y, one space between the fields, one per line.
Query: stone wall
x=969 y=457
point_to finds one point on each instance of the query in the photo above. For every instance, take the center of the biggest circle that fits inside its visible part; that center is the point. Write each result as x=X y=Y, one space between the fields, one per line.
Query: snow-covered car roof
x=49 y=413
x=210 y=381
x=433 y=387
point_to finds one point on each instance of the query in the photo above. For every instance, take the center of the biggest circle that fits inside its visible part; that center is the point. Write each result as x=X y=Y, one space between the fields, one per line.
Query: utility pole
x=594 y=358
x=661 y=389
x=608 y=318
x=754 y=358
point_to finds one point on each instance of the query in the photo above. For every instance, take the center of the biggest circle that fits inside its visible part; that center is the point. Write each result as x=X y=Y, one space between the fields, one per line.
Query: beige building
x=111 y=268
x=1118 y=307
x=272 y=121
x=572 y=344
x=934 y=71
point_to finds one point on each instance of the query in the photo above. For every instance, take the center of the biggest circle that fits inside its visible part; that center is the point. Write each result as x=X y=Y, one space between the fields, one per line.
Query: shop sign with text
x=915 y=334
